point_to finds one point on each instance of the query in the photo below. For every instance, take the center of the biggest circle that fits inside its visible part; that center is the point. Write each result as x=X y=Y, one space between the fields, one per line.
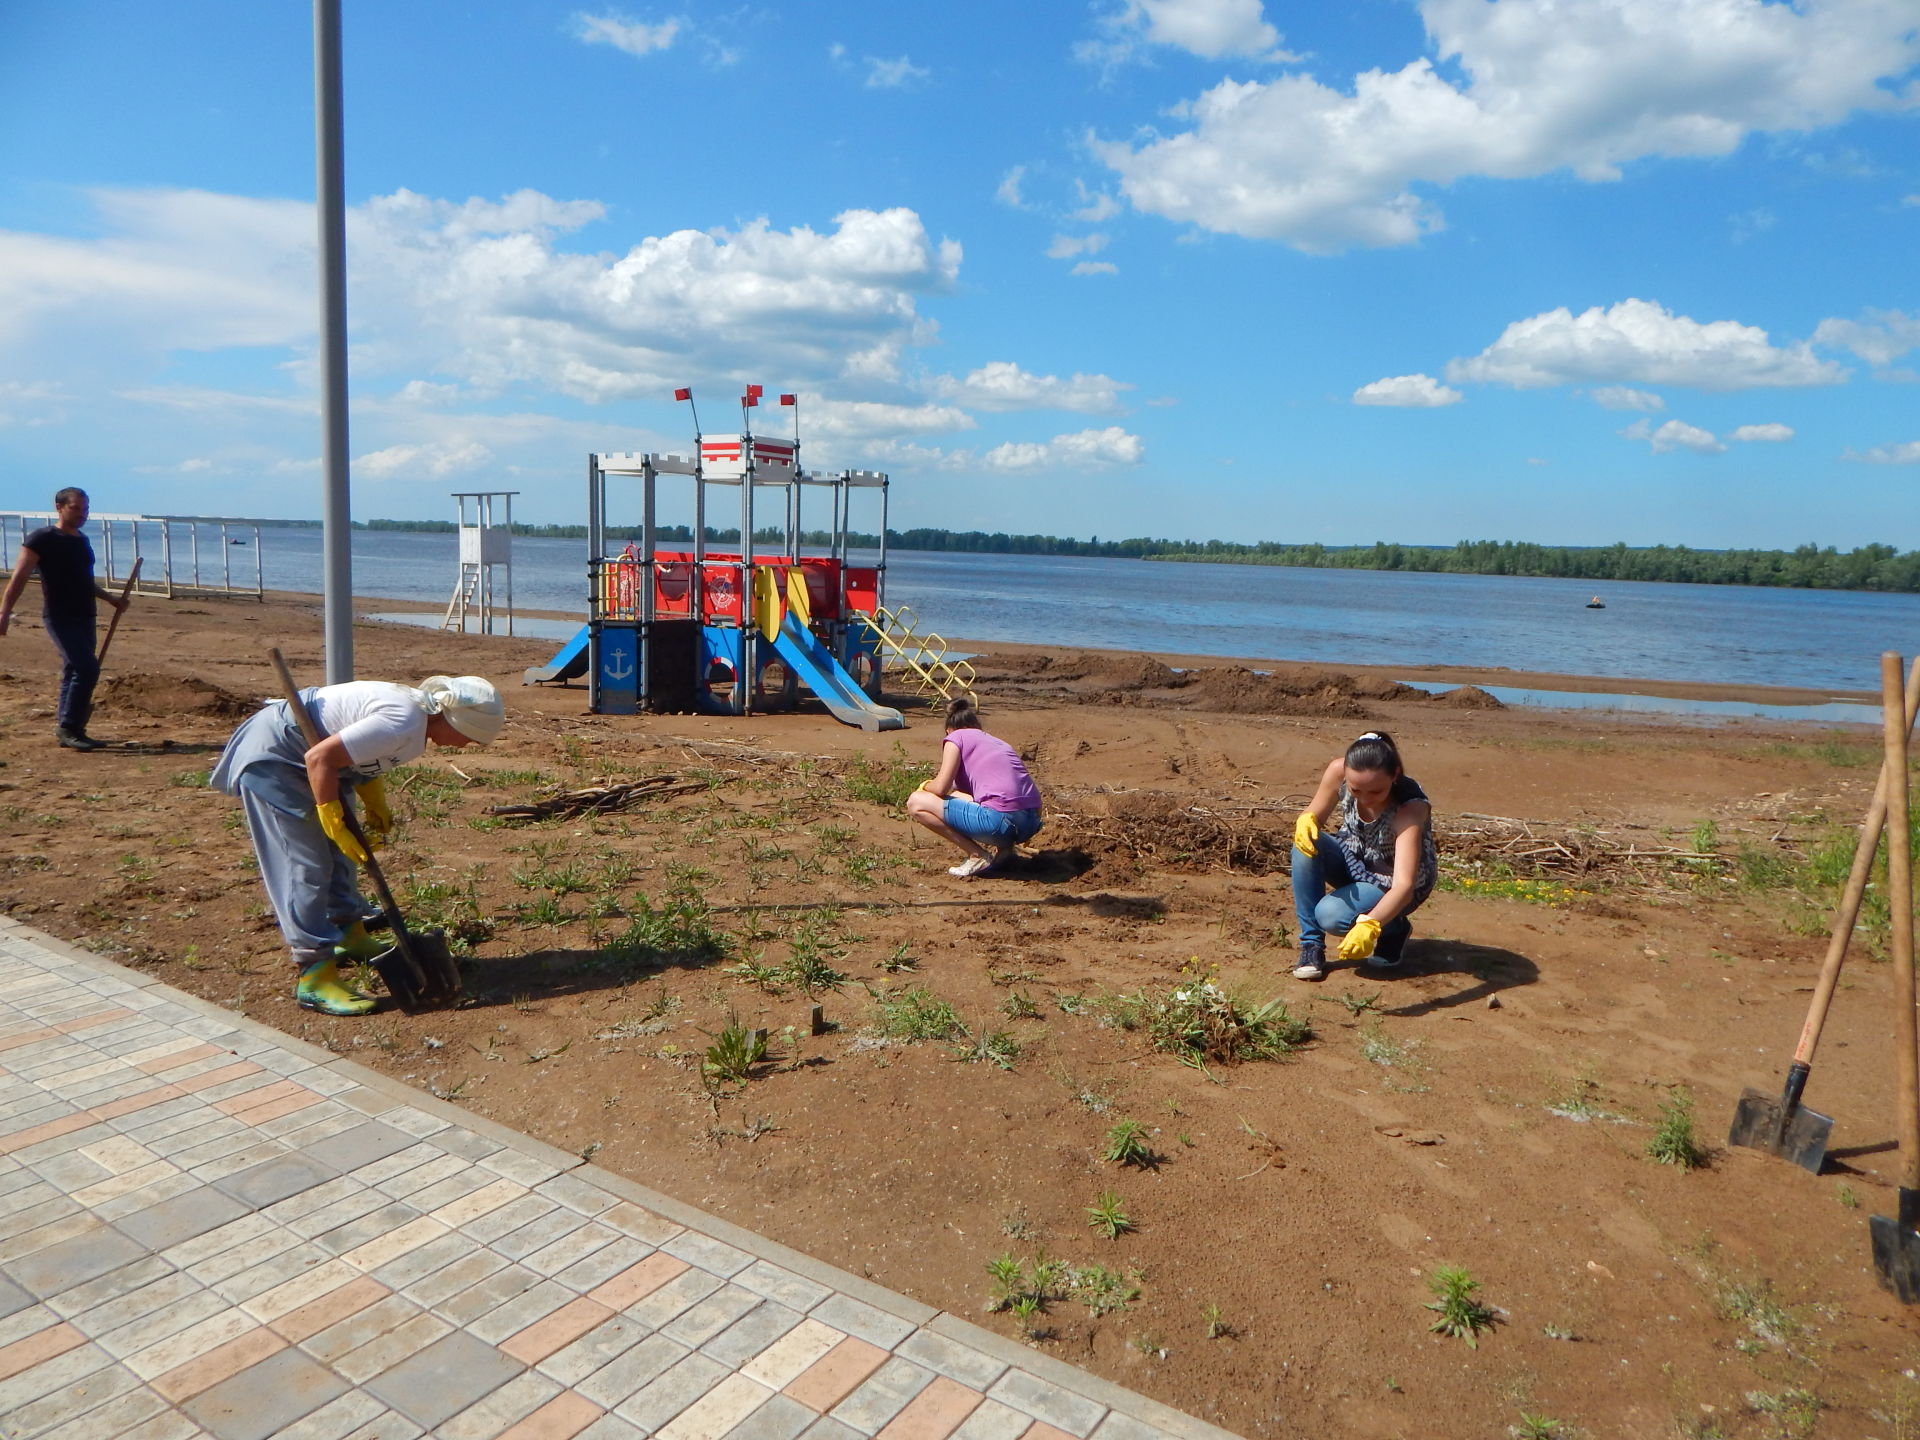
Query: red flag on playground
x=749 y=399
x=789 y=399
x=754 y=392
x=685 y=394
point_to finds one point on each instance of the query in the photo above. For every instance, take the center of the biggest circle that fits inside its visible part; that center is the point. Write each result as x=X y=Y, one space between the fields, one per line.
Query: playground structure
x=729 y=632
x=484 y=548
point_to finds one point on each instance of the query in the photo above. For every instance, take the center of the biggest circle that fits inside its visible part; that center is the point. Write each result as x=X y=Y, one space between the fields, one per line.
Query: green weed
x=1020 y=1006
x=991 y=1047
x=886 y=783
x=916 y=1014
x=1674 y=1142
x=1108 y=1216
x=735 y=1051
x=1127 y=1144
x=1102 y=1290
x=1198 y=1021
x=1462 y=1317
x=679 y=930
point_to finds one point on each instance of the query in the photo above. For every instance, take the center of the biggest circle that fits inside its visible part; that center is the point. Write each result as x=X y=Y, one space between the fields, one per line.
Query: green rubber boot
x=357 y=944
x=322 y=989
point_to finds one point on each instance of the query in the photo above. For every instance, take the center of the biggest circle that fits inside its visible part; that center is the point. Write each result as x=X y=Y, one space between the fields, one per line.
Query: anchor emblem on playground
x=619 y=665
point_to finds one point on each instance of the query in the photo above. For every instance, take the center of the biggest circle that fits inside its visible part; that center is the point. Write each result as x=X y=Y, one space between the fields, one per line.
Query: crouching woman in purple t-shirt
x=981 y=799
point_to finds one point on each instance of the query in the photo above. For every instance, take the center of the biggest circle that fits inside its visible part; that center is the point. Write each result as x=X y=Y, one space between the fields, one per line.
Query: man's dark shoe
x=75 y=739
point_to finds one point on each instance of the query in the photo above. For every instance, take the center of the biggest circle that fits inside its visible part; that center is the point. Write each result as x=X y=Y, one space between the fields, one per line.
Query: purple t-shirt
x=991 y=772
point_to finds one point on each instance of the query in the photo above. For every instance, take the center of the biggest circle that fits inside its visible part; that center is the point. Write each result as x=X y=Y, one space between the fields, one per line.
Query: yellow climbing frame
x=923 y=657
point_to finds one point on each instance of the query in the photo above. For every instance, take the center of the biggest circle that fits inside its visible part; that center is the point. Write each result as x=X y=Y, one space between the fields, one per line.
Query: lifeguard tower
x=730 y=633
x=484 y=548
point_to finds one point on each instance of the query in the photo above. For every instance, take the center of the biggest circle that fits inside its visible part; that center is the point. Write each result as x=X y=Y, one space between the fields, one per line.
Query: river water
x=1713 y=634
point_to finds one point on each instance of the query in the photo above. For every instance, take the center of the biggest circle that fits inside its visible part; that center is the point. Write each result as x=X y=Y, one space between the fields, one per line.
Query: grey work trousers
x=310 y=883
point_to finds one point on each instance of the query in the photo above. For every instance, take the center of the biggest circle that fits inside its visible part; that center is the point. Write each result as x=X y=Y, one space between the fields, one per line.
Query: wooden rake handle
x=114 y=624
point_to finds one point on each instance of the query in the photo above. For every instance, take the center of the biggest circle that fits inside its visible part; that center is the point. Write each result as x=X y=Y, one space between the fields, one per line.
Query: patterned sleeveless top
x=1367 y=845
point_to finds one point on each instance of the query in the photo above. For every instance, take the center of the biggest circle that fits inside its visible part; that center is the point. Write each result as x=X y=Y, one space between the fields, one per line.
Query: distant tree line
x=1869 y=567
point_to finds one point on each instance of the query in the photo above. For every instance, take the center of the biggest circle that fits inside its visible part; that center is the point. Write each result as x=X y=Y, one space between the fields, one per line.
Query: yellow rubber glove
x=1306 y=834
x=334 y=821
x=1361 y=939
x=375 y=813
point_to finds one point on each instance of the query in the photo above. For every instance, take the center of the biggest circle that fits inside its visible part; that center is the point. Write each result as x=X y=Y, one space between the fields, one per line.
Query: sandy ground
x=1490 y=1109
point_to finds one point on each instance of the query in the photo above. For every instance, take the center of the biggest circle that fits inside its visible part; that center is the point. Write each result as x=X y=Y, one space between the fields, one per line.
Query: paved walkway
x=210 y=1228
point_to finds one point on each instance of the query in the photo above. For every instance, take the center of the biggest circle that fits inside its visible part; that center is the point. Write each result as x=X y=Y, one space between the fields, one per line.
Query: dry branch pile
x=599 y=799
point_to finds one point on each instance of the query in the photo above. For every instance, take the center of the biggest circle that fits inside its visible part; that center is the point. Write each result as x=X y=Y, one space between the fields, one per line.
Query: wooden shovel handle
x=1849 y=911
x=121 y=609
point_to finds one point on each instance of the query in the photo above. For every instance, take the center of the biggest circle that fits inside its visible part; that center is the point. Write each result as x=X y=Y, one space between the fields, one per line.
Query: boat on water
x=1596 y=603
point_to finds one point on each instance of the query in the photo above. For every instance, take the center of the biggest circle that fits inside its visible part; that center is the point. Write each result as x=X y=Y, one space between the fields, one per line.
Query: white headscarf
x=470 y=703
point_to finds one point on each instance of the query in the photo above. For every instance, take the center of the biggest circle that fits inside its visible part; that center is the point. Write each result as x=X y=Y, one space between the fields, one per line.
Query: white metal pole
x=336 y=501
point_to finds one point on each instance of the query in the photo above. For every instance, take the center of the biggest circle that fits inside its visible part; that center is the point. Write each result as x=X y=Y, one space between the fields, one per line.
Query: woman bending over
x=981 y=799
x=1363 y=858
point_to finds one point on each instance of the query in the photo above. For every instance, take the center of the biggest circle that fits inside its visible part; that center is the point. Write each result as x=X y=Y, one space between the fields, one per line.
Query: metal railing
x=171 y=545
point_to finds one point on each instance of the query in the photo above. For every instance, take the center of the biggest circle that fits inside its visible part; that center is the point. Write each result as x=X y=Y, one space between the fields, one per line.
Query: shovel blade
x=1896 y=1256
x=420 y=974
x=1797 y=1135
x=402 y=978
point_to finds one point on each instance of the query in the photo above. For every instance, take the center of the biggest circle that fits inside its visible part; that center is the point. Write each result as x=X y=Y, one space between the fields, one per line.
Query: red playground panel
x=673 y=584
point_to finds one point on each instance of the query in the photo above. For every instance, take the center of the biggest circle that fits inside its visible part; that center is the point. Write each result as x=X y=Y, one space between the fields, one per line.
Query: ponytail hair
x=1374 y=750
x=962 y=713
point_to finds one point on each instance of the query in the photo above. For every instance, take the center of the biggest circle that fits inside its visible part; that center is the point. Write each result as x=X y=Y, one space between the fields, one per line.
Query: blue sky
x=1573 y=271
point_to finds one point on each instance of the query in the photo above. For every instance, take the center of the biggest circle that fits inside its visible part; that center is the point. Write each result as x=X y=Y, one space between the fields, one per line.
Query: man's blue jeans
x=73 y=636
x=1321 y=909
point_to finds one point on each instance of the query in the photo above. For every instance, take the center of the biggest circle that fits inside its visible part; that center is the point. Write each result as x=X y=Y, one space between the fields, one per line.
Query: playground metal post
x=748 y=633
x=649 y=545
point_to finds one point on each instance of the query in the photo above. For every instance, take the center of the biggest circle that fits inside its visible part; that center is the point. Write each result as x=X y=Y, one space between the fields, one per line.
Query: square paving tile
x=265 y=1399
x=74 y=1262
x=444 y=1379
x=12 y=1298
x=269 y=1183
x=163 y=1226
x=361 y=1145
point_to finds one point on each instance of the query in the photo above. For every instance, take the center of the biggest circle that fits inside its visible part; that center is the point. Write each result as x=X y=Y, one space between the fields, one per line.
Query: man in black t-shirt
x=64 y=561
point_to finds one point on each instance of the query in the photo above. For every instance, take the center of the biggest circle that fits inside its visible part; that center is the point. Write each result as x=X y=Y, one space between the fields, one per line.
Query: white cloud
x=1413 y=391
x=1640 y=340
x=1909 y=202
x=1749 y=223
x=400 y=461
x=1081 y=450
x=1620 y=397
x=1211 y=29
x=1008 y=192
x=1674 y=435
x=865 y=419
x=1880 y=338
x=1772 y=433
x=1907 y=453
x=1095 y=267
x=28 y=403
x=893 y=74
x=633 y=36
x=1542 y=86
x=1095 y=205
x=1002 y=385
x=1065 y=247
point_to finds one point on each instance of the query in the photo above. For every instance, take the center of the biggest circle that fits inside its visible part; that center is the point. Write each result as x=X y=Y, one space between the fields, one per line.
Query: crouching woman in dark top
x=1363 y=859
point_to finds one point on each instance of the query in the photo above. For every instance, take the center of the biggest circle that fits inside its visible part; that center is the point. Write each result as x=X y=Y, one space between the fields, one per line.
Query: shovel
x=1896 y=1239
x=418 y=970
x=1782 y=1127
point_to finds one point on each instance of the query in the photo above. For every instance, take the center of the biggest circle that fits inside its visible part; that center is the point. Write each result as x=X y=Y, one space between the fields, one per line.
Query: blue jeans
x=984 y=825
x=1327 y=898
x=72 y=636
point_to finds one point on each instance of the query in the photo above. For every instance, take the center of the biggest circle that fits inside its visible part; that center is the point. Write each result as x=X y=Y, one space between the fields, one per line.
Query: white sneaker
x=969 y=867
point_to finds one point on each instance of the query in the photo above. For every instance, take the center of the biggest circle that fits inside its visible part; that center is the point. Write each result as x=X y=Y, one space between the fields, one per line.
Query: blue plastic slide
x=569 y=662
x=814 y=666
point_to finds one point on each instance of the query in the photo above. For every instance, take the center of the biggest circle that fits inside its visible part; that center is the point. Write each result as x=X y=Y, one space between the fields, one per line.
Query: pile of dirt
x=163 y=695
x=1173 y=834
x=1468 y=697
x=1080 y=670
x=1235 y=690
